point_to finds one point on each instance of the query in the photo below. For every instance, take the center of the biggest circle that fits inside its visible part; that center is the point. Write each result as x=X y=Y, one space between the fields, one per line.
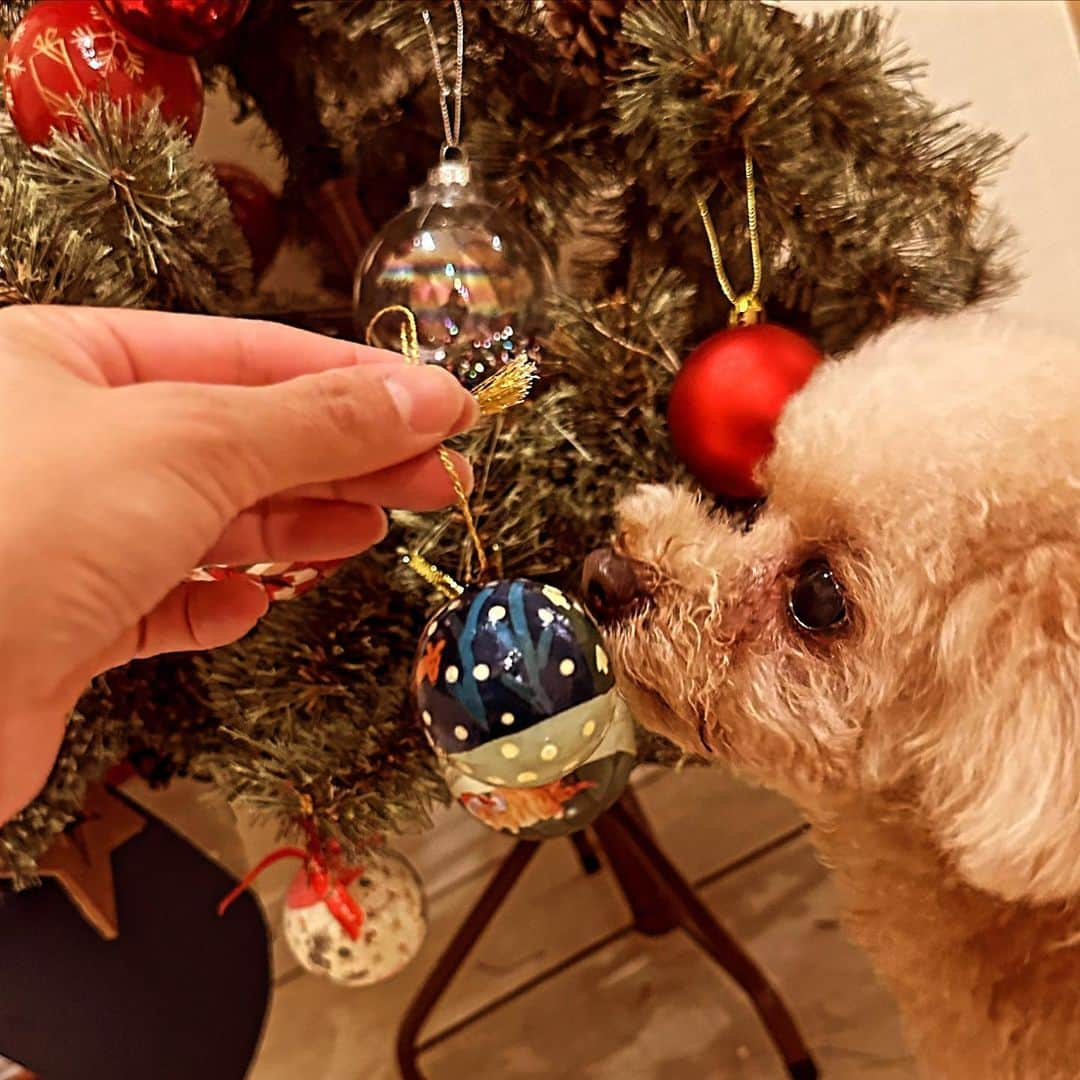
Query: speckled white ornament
x=395 y=922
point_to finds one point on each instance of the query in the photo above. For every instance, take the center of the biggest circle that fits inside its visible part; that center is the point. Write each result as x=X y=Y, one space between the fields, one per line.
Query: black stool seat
x=180 y=995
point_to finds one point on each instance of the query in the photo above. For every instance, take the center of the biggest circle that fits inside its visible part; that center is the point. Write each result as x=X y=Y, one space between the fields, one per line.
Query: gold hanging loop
x=746 y=308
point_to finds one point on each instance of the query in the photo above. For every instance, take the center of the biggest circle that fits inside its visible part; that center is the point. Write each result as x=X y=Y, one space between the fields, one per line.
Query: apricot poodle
x=894 y=642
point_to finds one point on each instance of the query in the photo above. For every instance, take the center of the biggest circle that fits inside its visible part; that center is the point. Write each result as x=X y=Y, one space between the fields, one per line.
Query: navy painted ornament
x=562 y=807
x=512 y=683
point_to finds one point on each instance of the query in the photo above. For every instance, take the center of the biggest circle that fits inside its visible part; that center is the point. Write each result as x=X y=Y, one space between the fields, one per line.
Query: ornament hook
x=432 y=575
x=746 y=311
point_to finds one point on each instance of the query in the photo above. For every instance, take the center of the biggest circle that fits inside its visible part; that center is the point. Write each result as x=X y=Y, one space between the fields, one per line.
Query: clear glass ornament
x=476 y=281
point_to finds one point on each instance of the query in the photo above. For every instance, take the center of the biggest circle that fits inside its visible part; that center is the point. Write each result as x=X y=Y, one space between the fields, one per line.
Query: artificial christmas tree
x=598 y=140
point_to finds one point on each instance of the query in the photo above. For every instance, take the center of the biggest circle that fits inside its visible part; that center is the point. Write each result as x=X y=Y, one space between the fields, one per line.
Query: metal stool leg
x=703 y=927
x=590 y=861
x=661 y=900
x=455 y=953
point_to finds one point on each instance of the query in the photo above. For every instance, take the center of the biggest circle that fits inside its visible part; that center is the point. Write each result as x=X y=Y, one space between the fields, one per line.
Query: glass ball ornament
x=476 y=280
x=257 y=211
x=512 y=683
x=563 y=806
x=387 y=890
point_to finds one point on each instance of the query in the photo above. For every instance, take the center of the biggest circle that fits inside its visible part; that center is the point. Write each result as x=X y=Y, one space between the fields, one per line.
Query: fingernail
x=430 y=400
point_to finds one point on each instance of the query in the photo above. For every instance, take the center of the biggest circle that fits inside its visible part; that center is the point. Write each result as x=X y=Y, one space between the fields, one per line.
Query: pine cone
x=586 y=33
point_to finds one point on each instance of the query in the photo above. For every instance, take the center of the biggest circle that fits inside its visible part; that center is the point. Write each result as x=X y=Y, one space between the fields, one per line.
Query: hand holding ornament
x=138 y=445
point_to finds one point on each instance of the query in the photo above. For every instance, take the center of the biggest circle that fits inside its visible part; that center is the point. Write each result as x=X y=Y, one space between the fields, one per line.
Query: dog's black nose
x=613 y=586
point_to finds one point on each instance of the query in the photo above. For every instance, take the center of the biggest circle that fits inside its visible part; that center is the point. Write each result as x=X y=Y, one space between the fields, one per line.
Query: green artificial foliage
x=93 y=740
x=871 y=209
x=46 y=257
x=132 y=179
x=311 y=710
x=11 y=12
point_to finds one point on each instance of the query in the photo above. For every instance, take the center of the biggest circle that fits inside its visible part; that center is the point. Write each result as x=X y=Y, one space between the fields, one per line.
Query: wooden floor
x=560 y=986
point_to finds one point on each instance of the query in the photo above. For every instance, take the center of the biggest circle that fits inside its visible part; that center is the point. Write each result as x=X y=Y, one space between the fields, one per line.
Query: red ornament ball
x=727 y=398
x=183 y=26
x=65 y=51
x=257 y=212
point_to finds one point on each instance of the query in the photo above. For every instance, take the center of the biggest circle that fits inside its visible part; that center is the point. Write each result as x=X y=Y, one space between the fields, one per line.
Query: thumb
x=333 y=425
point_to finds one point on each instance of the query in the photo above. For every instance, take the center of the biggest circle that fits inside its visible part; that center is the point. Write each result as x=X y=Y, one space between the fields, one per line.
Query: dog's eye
x=817 y=601
x=742 y=513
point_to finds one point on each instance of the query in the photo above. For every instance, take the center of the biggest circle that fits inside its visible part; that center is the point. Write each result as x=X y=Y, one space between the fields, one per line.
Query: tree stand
x=661 y=900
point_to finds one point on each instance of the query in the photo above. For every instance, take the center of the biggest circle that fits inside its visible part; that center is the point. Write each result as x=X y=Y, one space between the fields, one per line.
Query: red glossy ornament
x=727 y=397
x=257 y=212
x=65 y=51
x=183 y=26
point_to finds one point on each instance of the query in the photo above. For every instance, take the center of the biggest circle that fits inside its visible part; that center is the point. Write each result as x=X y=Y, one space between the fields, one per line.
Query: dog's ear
x=1001 y=764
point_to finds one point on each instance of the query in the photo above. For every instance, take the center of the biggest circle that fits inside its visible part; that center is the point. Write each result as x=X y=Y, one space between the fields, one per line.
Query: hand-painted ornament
x=282 y=581
x=65 y=51
x=257 y=211
x=563 y=806
x=356 y=926
x=183 y=26
x=512 y=683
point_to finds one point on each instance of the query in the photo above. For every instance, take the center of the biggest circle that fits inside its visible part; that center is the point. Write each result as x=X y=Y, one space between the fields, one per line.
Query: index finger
x=131 y=346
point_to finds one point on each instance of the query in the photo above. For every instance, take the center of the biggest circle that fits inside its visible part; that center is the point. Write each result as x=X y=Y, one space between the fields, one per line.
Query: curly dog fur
x=934 y=738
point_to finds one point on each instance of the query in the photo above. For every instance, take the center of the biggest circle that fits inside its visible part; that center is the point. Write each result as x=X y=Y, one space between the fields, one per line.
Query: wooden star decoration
x=80 y=860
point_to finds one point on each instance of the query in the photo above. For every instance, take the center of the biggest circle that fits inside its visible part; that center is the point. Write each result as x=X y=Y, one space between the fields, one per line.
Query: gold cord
x=746 y=307
x=410 y=343
x=506 y=388
x=466 y=510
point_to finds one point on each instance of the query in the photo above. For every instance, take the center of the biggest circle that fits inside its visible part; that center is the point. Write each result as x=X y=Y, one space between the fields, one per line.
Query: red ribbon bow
x=325 y=881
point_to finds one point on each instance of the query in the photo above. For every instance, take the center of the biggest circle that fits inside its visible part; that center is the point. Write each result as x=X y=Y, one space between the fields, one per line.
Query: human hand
x=136 y=445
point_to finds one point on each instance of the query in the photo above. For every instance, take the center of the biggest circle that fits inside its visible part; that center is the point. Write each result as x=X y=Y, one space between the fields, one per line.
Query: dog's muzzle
x=614 y=587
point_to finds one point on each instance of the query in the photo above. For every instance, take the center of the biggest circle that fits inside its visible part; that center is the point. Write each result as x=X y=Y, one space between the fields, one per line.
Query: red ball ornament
x=65 y=51
x=257 y=212
x=183 y=26
x=726 y=400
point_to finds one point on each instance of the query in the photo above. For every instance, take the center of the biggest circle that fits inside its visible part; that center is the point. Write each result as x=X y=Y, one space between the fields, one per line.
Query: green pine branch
x=132 y=180
x=45 y=260
x=90 y=745
x=865 y=189
x=11 y=13
x=315 y=713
